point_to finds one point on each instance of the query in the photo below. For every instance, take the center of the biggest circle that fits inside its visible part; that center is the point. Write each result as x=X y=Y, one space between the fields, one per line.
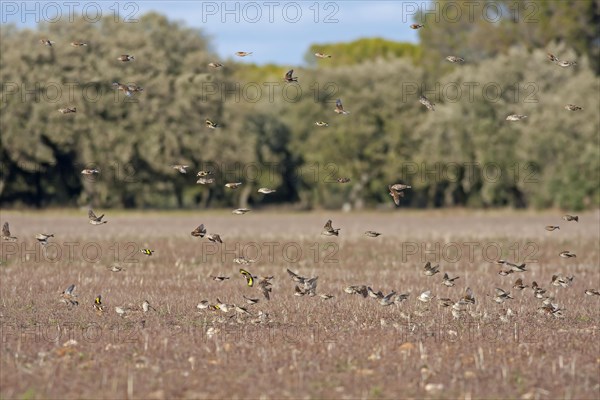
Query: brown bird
x=214 y=237
x=427 y=103
x=592 y=292
x=322 y=55
x=567 y=254
x=233 y=185
x=200 y=231
x=67 y=110
x=289 y=78
x=339 y=108
x=6 y=233
x=125 y=58
x=342 y=180
x=396 y=191
x=519 y=284
x=95 y=220
x=46 y=42
x=242 y=53
x=78 y=44
x=329 y=231
x=552 y=227
x=570 y=218
x=215 y=65
x=573 y=107
x=454 y=59
x=416 y=26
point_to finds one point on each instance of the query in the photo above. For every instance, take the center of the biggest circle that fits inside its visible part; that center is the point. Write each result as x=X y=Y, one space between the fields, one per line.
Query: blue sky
x=275 y=31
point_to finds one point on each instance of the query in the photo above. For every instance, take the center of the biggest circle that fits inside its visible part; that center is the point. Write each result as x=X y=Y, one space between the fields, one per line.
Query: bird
x=125 y=58
x=298 y=292
x=181 y=168
x=295 y=277
x=129 y=90
x=6 y=234
x=204 y=173
x=321 y=123
x=570 y=218
x=249 y=277
x=214 y=237
x=427 y=103
x=516 y=117
x=68 y=297
x=241 y=310
x=513 y=267
x=250 y=300
x=561 y=281
x=147 y=307
x=289 y=78
x=416 y=26
x=342 y=180
x=388 y=299
x=95 y=220
x=98 y=304
x=537 y=290
x=339 y=108
x=445 y=302
x=372 y=234
x=200 y=231
x=78 y=44
x=573 y=107
x=322 y=55
x=67 y=110
x=219 y=278
x=233 y=185
x=373 y=294
x=567 y=254
x=205 y=181
x=265 y=287
x=120 y=311
x=429 y=270
x=210 y=124
x=241 y=211
x=115 y=268
x=90 y=171
x=592 y=292
x=503 y=272
x=565 y=63
x=204 y=304
x=46 y=42
x=469 y=298
x=242 y=53
x=329 y=231
x=552 y=57
x=243 y=260
x=357 y=289
x=326 y=296
x=425 y=297
x=265 y=190
x=396 y=191
x=454 y=59
x=147 y=252
x=501 y=296
x=519 y=284
x=42 y=238
x=215 y=65
x=447 y=281
x=552 y=227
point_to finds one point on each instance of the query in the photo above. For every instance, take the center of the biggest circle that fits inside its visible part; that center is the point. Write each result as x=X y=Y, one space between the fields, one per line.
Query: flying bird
x=181 y=168
x=427 y=103
x=339 y=108
x=447 y=281
x=125 y=58
x=321 y=123
x=516 y=117
x=214 y=237
x=322 y=55
x=429 y=270
x=233 y=185
x=67 y=110
x=416 y=26
x=210 y=124
x=289 y=78
x=215 y=65
x=372 y=234
x=570 y=218
x=329 y=231
x=95 y=220
x=551 y=228
x=46 y=42
x=266 y=190
x=573 y=107
x=567 y=254
x=454 y=59
x=242 y=53
x=200 y=231
x=90 y=171
x=78 y=44
x=6 y=233
x=241 y=211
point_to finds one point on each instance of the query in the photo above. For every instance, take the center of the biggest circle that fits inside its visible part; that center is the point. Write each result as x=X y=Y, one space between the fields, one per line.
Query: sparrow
x=266 y=190
x=68 y=297
x=372 y=234
x=429 y=270
x=562 y=281
x=538 y=292
x=289 y=78
x=95 y=220
x=329 y=231
x=416 y=26
x=295 y=277
x=469 y=298
x=147 y=252
x=146 y=306
x=214 y=237
x=205 y=181
x=46 y=42
x=321 y=123
x=516 y=117
x=447 y=281
x=342 y=180
x=89 y=171
x=396 y=191
x=551 y=228
x=501 y=296
x=42 y=238
x=181 y=168
x=242 y=53
x=357 y=289
x=339 y=108
x=322 y=55
x=200 y=231
x=78 y=44
x=425 y=297
x=573 y=107
x=567 y=254
x=210 y=124
x=233 y=185
x=592 y=292
x=425 y=101
x=67 y=110
x=215 y=65
x=570 y=218
x=454 y=59
x=218 y=278
x=241 y=211
x=388 y=299
x=519 y=284
x=126 y=58
x=6 y=234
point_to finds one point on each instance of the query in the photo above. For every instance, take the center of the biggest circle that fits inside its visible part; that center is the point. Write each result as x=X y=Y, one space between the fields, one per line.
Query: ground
x=307 y=347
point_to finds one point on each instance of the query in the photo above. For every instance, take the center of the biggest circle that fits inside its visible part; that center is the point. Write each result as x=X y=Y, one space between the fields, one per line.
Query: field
x=302 y=346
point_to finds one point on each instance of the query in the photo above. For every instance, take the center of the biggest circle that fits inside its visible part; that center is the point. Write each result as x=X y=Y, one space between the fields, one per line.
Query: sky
x=275 y=31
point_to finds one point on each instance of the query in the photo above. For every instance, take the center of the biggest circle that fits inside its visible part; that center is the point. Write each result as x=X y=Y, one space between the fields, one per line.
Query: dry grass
x=346 y=347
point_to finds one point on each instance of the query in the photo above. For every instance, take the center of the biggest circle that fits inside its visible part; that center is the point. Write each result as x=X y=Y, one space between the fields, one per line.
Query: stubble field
x=301 y=347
